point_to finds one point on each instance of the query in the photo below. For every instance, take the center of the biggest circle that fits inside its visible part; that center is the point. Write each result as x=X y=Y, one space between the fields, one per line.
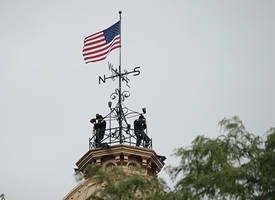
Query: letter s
x=137 y=71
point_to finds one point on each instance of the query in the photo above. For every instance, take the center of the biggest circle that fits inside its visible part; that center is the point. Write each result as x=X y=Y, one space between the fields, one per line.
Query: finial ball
x=120 y=12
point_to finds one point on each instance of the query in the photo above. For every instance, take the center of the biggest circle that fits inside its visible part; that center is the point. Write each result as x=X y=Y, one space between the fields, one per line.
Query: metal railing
x=112 y=137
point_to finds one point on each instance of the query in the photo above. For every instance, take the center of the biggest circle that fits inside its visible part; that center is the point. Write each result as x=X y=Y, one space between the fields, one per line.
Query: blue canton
x=111 y=32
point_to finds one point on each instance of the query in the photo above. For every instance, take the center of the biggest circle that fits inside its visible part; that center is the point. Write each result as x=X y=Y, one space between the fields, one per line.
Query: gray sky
x=201 y=61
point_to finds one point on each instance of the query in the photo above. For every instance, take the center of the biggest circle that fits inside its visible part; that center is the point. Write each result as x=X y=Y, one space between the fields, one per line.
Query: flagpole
x=119 y=90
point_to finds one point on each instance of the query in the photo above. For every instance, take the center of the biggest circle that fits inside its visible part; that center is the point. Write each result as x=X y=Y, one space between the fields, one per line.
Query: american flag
x=97 y=46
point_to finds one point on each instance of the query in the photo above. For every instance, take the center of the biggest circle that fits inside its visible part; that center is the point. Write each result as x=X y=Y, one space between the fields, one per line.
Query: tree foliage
x=122 y=185
x=2 y=196
x=235 y=165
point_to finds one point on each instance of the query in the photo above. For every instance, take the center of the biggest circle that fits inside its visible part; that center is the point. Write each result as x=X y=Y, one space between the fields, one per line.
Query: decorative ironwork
x=119 y=130
x=125 y=94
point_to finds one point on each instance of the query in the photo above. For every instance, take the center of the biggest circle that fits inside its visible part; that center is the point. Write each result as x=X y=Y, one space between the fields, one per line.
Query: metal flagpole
x=119 y=90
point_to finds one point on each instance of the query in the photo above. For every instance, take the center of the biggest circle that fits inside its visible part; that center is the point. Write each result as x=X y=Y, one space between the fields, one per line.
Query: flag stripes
x=97 y=46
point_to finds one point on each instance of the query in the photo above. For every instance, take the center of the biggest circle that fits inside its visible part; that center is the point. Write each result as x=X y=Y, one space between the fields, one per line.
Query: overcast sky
x=200 y=61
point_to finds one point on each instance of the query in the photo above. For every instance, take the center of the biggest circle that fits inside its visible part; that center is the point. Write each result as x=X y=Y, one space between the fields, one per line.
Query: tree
x=2 y=196
x=235 y=165
x=266 y=168
x=121 y=185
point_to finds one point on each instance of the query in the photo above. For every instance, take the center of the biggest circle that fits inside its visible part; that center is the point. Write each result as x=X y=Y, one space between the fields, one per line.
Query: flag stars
x=111 y=32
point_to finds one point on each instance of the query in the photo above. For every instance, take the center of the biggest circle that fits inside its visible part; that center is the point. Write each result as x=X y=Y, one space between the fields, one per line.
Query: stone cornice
x=95 y=155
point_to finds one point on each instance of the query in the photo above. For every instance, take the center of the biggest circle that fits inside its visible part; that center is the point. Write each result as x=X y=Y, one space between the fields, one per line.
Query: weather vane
x=115 y=74
x=119 y=130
